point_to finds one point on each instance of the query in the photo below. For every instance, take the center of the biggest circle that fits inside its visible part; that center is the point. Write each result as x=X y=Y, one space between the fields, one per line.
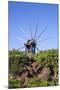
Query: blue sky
x=22 y=14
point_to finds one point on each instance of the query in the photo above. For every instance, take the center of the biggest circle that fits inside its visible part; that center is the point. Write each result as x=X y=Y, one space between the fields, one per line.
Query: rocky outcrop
x=44 y=74
x=31 y=69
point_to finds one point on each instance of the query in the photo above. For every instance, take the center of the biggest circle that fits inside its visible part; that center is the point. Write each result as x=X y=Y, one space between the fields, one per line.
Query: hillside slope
x=39 y=70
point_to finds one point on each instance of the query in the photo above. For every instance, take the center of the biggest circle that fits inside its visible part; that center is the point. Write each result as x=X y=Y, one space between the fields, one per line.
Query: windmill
x=31 y=44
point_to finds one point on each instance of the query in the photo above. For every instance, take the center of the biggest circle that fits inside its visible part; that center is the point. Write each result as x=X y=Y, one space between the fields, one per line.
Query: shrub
x=14 y=84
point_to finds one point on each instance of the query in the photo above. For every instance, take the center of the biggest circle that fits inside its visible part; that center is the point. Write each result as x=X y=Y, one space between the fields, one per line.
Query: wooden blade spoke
x=20 y=48
x=31 y=32
x=44 y=39
x=41 y=33
x=37 y=49
x=36 y=31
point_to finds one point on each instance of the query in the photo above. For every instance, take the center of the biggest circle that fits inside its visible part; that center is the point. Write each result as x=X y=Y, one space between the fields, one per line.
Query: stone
x=30 y=70
x=44 y=74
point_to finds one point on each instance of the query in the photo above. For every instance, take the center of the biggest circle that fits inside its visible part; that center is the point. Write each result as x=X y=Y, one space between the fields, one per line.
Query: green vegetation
x=46 y=58
x=15 y=84
x=35 y=82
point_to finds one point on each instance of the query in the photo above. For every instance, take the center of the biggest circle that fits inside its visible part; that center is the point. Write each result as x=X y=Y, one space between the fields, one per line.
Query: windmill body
x=30 y=46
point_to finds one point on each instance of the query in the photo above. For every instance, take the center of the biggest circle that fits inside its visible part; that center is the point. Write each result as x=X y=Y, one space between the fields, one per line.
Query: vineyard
x=38 y=70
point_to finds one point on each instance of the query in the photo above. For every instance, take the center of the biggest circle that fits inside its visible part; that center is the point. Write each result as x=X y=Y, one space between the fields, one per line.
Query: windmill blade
x=23 y=31
x=44 y=39
x=21 y=48
x=41 y=33
x=36 y=31
x=31 y=32
x=37 y=49
x=20 y=39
